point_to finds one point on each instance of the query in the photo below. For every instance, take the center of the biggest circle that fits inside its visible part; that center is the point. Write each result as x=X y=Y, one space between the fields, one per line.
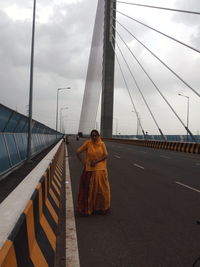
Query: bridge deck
x=155 y=206
x=153 y=218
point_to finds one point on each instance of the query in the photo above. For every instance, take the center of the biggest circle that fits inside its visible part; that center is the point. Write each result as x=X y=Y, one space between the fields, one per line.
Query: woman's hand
x=93 y=163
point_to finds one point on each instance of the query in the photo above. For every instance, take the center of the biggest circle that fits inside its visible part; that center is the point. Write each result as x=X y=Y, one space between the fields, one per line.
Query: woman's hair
x=94 y=131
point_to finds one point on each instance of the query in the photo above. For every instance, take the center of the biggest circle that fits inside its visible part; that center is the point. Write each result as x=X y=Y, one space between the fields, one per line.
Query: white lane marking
x=136 y=165
x=187 y=186
x=71 y=247
x=143 y=151
x=118 y=157
x=165 y=157
x=197 y=164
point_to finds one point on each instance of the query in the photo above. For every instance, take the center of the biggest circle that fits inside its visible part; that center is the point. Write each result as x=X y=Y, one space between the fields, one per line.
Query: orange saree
x=94 y=188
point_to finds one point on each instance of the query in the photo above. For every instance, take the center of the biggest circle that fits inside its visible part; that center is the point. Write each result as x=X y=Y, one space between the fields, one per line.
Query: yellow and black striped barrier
x=32 y=242
x=175 y=146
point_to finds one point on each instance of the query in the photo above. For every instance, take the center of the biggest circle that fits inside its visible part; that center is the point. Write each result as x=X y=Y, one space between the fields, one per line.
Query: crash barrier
x=176 y=146
x=14 y=136
x=168 y=138
x=29 y=239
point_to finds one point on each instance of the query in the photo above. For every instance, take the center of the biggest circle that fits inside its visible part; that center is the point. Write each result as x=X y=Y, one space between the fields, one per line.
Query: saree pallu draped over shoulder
x=94 y=188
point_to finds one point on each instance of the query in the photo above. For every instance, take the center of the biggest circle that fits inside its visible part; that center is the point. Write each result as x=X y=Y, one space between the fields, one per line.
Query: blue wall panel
x=4 y=159
x=12 y=148
x=21 y=146
x=13 y=138
x=21 y=125
x=12 y=123
x=4 y=117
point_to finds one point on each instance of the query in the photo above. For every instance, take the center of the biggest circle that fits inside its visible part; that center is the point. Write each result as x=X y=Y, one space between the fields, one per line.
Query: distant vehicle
x=80 y=134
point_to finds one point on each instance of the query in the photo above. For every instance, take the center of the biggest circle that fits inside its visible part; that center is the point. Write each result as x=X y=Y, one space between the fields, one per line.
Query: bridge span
x=138 y=69
x=154 y=215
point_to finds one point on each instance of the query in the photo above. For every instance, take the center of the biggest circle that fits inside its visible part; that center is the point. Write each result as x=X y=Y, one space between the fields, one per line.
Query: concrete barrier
x=175 y=146
x=28 y=238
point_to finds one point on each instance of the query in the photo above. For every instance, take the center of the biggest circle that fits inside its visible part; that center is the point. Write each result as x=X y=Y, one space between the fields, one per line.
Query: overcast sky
x=62 y=45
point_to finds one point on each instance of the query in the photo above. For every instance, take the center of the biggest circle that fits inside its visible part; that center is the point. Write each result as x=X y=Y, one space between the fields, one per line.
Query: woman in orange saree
x=94 y=188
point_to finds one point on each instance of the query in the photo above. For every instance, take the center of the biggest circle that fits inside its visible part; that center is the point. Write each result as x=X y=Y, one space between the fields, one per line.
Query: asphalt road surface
x=155 y=207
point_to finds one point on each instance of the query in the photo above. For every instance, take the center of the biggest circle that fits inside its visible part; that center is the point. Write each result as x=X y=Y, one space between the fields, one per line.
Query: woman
x=94 y=189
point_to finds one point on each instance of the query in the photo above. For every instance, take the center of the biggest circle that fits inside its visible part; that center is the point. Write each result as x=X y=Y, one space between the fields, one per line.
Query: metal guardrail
x=14 y=147
x=14 y=136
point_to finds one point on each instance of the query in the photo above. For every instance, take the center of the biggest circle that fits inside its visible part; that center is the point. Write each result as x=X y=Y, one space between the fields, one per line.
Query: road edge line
x=72 y=254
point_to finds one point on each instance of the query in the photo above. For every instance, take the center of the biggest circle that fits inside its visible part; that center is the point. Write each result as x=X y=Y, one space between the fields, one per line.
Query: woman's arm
x=78 y=154
x=81 y=149
x=94 y=162
x=104 y=156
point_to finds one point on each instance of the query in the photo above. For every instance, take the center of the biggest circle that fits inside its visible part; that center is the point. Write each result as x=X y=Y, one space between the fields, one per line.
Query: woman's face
x=94 y=136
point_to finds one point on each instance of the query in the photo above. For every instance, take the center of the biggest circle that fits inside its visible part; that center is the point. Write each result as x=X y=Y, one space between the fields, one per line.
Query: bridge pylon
x=108 y=69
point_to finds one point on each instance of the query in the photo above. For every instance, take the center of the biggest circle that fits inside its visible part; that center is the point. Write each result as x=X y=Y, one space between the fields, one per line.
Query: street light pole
x=187 y=112
x=31 y=87
x=58 y=90
x=61 y=115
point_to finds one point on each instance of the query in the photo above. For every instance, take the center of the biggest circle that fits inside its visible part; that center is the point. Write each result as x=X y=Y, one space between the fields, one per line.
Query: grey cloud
x=62 y=49
x=65 y=41
x=187 y=19
x=61 y=57
x=14 y=46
